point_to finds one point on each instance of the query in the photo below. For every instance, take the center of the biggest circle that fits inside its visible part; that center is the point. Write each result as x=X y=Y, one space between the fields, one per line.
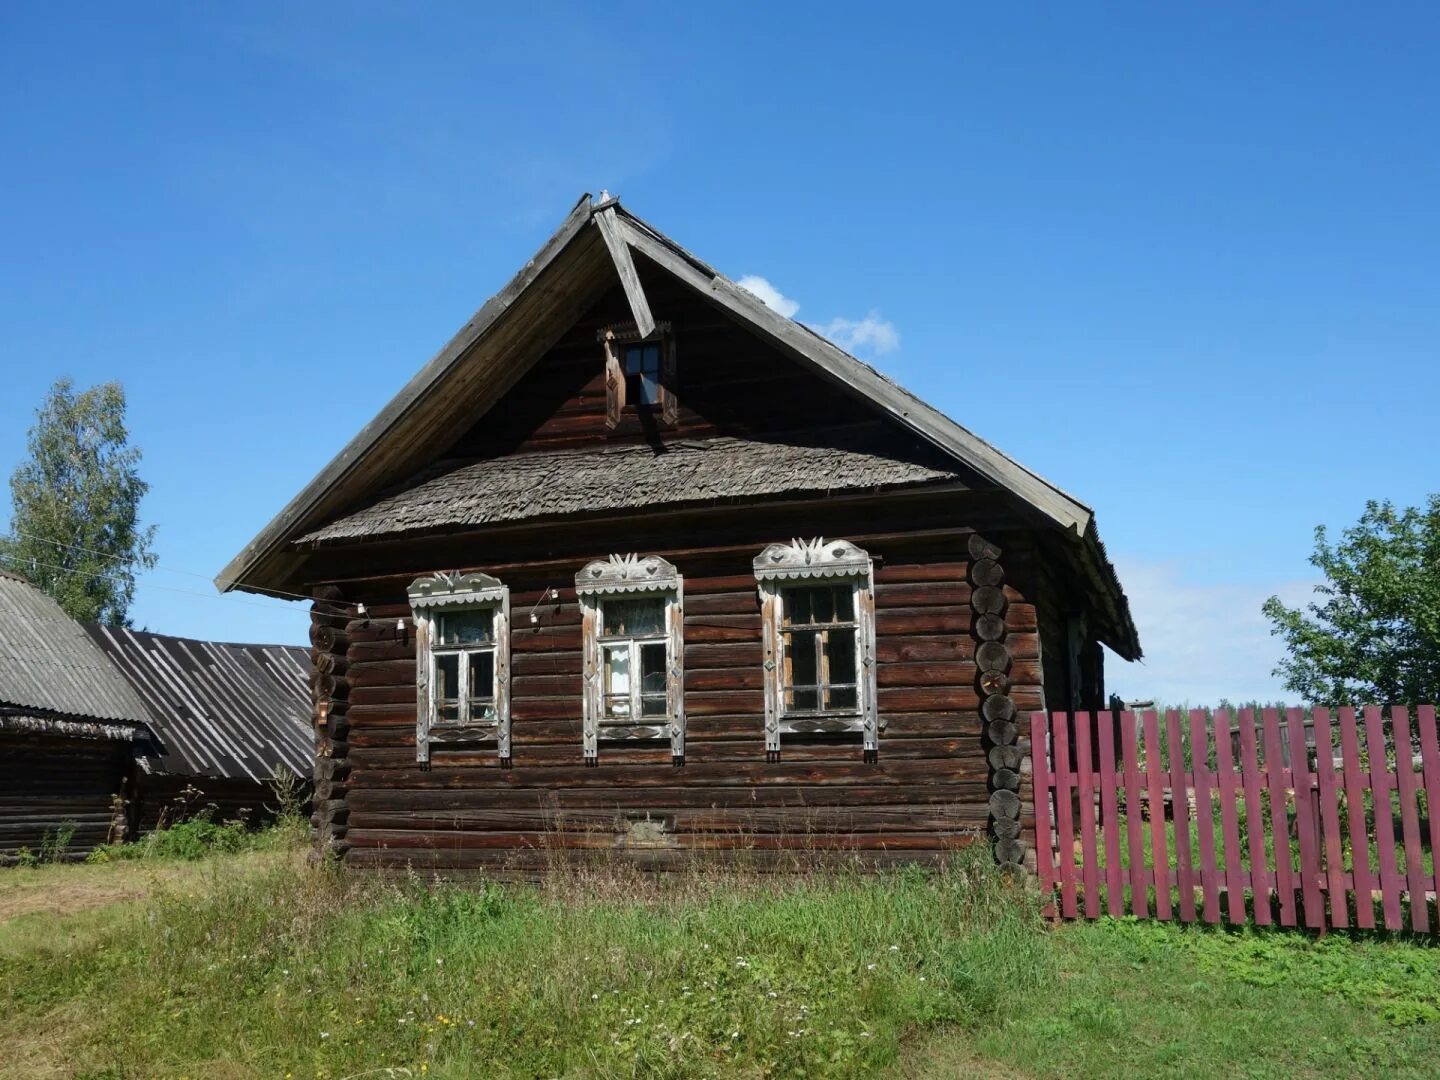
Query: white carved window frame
x=615 y=339
x=817 y=562
x=453 y=592
x=629 y=577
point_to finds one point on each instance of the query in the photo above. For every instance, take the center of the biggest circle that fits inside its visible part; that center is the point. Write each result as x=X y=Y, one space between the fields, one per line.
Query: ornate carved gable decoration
x=454 y=589
x=817 y=558
x=626 y=574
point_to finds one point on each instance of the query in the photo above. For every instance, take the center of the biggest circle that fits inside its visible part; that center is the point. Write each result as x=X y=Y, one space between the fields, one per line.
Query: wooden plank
x=1252 y=778
x=625 y=267
x=1180 y=810
x=1430 y=762
x=1204 y=814
x=1306 y=815
x=1042 y=785
x=1332 y=842
x=1110 y=817
x=1134 y=823
x=1159 y=847
x=1391 y=883
x=1275 y=778
x=1229 y=819
x=1064 y=818
x=1363 y=879
x=1410 y=818
x=1090 y=858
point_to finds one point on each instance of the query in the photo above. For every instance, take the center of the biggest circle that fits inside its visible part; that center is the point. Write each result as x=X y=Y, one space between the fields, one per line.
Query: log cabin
x=637 y=564
x=106 y=732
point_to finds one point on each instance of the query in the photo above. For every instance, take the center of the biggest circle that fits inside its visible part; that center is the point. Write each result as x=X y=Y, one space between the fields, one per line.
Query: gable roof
x=506 y=336
x=50 y=667
x=215 y=709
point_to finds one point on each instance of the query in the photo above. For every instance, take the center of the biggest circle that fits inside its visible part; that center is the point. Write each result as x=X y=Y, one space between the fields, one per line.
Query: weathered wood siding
x=50 y=783
x=928 y=793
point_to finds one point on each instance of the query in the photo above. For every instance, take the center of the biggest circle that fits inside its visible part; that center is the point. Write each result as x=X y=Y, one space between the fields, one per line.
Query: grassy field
x=255 y=964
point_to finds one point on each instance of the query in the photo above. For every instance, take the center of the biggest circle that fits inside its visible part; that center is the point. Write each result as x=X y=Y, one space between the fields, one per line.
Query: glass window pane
x=801 y=661
x=840 y=652
x=652 y=668
x=634 y=618
x=823 y=601
x=844 y=596
x=448 y=714
x=797 y=606
x=482 y=674
x=617 y=669
x=465 y=627
x=652 y=705
x=842 y=697
x=447 y=677
x=802 y=700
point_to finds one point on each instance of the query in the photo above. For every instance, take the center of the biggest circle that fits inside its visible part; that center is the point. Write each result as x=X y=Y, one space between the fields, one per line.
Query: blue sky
x=1195 y=254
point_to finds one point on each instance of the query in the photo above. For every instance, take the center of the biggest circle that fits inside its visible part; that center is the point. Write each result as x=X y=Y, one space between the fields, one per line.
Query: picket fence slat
x=1430 y=762
x=1043 y=782
x=1331 y=839
x=1409 y=817
x=1295 y=820
x=1204 y=814
x=1109 y=816
x=1229 y=819
x=1159 y=849
x=1384 y=819
x=1254 y=815
x=1064 y=823
x=1134 y=821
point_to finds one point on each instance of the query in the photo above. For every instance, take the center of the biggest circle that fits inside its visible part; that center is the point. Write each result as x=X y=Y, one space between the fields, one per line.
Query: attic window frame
x=807 y=563
x=615 y=339
x=452 y=593
x=617 y=579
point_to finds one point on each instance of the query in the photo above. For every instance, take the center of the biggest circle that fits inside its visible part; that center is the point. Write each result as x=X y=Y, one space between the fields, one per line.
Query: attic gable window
x=632 y=619
x=639 y=373
x=462 y=662
x=818 y=620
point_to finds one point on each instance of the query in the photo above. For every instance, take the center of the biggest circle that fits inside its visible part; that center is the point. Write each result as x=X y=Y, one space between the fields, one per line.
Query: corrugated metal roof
x=49 y=665
x=217 y=709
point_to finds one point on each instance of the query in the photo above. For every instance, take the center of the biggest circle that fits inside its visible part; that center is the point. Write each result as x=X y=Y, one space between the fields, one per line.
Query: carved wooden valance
x=626 y=574
x=817 y=558
x=452 y=589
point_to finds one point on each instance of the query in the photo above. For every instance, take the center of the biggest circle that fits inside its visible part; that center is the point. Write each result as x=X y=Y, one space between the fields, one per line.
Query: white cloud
x=772 y=297
x=871 y=334
x=1203 y=641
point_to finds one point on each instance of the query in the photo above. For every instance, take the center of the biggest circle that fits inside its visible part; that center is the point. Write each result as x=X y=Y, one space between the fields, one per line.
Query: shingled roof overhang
x=513 y=329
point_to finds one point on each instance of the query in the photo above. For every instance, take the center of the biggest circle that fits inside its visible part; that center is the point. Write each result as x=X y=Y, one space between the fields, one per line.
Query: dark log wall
x=48 y=783
x=929 y=792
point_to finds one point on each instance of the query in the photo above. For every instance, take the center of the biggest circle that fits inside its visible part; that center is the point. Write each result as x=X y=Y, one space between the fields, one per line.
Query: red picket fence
x=1285 y=819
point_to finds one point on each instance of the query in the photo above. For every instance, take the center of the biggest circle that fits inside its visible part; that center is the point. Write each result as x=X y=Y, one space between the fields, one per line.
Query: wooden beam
x=625 y=267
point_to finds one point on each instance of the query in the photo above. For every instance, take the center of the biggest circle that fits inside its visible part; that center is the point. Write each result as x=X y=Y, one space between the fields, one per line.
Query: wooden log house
x=636 y=563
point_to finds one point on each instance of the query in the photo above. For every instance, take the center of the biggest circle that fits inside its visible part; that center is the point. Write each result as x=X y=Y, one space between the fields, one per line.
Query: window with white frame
x=632 y=622
x=462 y=662
x=818 y=622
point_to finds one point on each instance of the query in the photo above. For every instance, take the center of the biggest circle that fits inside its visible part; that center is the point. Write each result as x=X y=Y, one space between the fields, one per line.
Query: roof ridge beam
x=625 y=266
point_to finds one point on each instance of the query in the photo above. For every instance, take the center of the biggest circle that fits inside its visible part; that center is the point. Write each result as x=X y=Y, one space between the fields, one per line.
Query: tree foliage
x=1374 y=634
x=74 y=529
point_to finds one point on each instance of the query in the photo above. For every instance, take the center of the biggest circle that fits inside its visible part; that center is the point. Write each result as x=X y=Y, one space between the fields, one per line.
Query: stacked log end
x=1002 y=732
x=330 y=692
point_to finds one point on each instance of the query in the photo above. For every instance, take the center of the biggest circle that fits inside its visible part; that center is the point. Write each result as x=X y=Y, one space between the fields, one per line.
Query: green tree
x=1374 y=636
x=74 y=529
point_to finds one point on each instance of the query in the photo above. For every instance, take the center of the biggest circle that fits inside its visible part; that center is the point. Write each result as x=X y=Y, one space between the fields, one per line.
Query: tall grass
x=310 y=971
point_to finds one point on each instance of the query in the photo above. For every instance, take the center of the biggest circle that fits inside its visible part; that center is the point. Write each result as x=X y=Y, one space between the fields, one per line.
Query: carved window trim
x=631 y=577
x=814 y=562
x=453 y=592
x=614 y=339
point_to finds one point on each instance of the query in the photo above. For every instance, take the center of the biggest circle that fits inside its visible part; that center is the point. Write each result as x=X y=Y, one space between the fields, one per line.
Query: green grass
x=261 y=965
